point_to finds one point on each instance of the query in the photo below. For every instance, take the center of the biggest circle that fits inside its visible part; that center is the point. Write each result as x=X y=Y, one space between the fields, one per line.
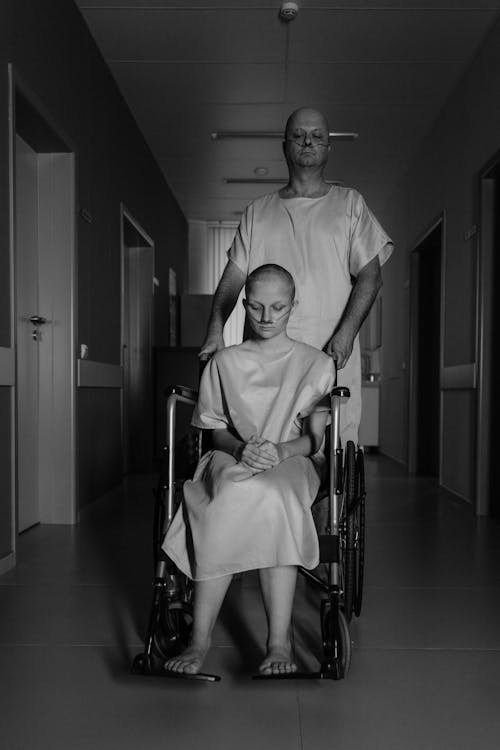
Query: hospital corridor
x=306 y=193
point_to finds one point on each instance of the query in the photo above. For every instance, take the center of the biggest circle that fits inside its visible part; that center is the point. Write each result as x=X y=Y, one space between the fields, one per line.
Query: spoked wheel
x=336 y=640
x=173 y=629
x=359 y=525
x=348 y=533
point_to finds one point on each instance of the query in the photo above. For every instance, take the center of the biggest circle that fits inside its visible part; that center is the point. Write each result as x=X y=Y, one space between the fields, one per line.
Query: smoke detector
x=289 y=10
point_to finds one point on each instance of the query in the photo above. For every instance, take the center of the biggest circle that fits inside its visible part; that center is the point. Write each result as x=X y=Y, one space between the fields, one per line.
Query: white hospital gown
x=323 y=242
x=231 y=520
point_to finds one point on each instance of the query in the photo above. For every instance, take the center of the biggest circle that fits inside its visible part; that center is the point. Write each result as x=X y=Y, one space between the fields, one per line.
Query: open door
x=425 y=354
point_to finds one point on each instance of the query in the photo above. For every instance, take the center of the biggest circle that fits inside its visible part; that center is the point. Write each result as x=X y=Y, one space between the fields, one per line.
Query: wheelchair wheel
x=173 y=628
x=341 y=648
x=359 y=524
x=159 y=518
x=348 y=534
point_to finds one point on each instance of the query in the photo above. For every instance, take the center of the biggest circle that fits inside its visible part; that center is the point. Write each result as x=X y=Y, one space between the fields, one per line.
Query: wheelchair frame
x=341 y=548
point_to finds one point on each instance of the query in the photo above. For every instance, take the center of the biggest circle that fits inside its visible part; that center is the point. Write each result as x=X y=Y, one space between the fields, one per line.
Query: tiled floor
x=425 y=670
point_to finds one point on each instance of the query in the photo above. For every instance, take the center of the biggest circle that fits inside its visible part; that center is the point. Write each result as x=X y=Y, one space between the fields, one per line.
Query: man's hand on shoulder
x=213 y=342
x=339 y=348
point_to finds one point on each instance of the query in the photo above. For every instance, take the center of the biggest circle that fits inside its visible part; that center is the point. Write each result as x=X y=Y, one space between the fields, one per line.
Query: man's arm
x=367 y=285
x=225 y=298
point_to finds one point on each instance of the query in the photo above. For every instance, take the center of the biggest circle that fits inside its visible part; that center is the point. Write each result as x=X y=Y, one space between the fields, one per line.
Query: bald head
x=306 y=116
x=271 y=272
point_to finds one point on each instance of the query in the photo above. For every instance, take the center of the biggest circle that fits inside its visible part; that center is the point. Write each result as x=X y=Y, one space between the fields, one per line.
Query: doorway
x=44 y=241
x=425 y=354
x=487 y=501
x=137 y=346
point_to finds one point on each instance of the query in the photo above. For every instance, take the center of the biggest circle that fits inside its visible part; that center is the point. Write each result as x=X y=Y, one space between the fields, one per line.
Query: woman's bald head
x=271 y=272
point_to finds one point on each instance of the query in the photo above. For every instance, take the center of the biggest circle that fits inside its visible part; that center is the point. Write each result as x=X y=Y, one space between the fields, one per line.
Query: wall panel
x=459 y=443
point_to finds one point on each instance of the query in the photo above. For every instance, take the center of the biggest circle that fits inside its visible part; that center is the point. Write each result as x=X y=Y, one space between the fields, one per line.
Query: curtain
x=209 y=243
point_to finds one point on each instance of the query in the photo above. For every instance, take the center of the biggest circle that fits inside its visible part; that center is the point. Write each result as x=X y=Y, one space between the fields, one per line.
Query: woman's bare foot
x=278 y=660
x=190 y=661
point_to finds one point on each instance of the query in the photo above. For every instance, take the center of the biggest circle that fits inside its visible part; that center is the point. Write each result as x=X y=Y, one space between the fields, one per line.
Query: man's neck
x=305 y=184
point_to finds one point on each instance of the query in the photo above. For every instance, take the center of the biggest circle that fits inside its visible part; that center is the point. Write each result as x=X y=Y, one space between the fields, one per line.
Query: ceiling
x=382 y=68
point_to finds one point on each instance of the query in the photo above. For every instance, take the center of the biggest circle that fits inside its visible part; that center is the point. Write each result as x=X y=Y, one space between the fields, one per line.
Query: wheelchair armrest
x=183 y=391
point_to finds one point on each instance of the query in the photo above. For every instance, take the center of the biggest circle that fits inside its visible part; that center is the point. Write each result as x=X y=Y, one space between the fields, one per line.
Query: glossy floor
x=425 y=670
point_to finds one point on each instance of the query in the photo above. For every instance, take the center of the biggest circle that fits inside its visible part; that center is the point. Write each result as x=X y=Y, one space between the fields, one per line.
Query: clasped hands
x=259 y=455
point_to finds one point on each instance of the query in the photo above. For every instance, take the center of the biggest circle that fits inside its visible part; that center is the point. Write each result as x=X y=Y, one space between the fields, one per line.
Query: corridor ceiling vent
x=289 y=11
x=220 y=135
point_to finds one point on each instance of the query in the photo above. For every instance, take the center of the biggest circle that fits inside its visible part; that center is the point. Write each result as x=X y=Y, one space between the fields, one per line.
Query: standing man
x=330 y=242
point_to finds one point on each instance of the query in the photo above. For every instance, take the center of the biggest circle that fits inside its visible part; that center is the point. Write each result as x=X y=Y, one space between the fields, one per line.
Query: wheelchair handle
x=182 y=391
x=340 y=391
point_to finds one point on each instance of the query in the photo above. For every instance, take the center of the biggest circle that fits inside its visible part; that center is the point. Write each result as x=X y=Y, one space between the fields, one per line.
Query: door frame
x=414 y=259
x=66 y=514
x=484 y=328
x=125 y=214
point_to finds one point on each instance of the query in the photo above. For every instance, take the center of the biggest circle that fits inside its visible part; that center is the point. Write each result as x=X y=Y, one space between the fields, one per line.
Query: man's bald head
x=306 y=116
x=271 y=272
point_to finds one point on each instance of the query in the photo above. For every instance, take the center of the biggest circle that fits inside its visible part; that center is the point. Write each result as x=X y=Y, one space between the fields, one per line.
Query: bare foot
x=189 y=662
x=278 y=660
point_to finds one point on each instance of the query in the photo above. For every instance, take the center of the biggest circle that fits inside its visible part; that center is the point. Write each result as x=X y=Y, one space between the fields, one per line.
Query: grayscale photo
x=248 y=335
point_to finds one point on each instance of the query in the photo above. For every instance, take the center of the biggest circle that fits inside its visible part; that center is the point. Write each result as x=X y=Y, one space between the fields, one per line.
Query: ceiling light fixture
x=219 y=135
x=261 y=171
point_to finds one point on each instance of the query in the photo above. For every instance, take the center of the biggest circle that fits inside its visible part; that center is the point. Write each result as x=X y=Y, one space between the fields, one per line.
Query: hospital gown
x=231 y=520
x=323 y=242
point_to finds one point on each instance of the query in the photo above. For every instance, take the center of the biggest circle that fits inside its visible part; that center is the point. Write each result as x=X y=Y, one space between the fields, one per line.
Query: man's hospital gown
x=231 y=520
x=323 y=242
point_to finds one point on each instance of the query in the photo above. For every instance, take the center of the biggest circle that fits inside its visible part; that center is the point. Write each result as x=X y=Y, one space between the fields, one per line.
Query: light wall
x=442 y=177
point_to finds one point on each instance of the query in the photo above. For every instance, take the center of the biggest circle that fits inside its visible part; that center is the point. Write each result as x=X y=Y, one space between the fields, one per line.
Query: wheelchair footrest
x=199 y=676
x=328 y=548
x=145 y=664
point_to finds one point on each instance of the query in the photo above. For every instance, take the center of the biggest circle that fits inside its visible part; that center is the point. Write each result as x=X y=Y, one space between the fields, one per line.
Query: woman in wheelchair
x=248 y=505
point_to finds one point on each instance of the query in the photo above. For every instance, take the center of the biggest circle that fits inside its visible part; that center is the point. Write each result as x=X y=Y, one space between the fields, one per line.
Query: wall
x=6 y=391
x=443 y=176
x=56 y=58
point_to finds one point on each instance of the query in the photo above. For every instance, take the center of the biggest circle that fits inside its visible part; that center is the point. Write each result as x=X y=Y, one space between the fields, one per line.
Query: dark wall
x=5 y=320
x=56 y=59
x=5 y=41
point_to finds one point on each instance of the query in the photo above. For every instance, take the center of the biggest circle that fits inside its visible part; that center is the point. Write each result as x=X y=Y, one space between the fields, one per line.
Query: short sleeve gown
x=324 y=243
x=232 y=520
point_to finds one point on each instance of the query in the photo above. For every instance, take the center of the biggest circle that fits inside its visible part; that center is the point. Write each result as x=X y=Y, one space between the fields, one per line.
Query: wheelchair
x=342 y=548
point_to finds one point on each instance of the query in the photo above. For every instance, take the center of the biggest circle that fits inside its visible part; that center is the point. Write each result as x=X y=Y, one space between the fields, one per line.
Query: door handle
x=37 y=320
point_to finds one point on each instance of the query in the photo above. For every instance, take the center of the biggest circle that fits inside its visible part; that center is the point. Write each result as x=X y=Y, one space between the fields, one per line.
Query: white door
x=45 y=387
x=27 y=346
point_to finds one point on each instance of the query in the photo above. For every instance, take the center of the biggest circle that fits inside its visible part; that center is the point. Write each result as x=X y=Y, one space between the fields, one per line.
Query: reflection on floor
x=426 y=659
